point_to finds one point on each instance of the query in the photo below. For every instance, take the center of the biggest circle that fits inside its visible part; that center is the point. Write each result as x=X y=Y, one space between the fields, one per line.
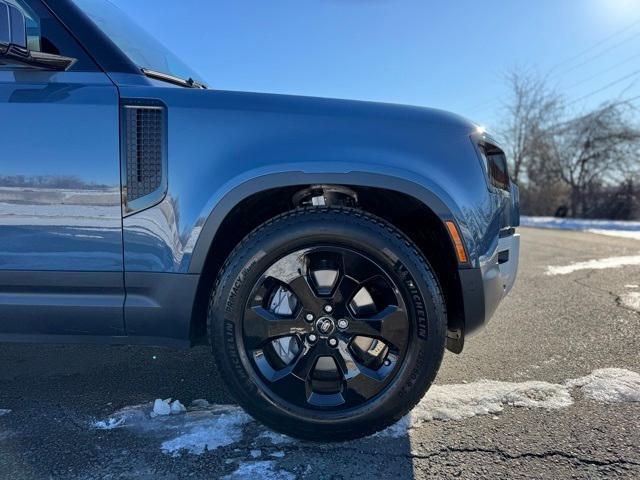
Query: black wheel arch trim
x=288 y=179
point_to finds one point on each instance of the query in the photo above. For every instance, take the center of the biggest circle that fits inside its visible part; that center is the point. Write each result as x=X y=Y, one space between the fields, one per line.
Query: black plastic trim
x=147 y=201
x=507 y=232
x=472 y=287
x=160 y=305
x=287 y=179
x=93 y=340
x=91 y=307
x=59 y=303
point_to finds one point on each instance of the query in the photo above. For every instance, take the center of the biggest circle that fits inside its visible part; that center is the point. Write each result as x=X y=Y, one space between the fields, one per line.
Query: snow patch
x=161 y=407
x=599 y=264
x=4 y=411
x=177 y=408
x=221 y=431
x=631 y=300
x=616 y=233
x=109 y=423
x=596 y=226
x=167 y=407
x=255 y=453
x=260 y=470
x=194 y=431
x=610 y=385
x=485 y=397
x=276 y=438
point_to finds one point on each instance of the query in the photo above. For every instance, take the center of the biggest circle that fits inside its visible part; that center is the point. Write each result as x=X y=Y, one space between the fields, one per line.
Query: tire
x=378 y=284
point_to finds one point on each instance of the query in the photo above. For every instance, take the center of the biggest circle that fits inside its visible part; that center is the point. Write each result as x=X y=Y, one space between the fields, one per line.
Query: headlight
x=495 y=162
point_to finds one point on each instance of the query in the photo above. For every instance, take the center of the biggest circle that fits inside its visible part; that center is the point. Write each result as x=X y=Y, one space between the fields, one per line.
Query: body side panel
x=60 y=205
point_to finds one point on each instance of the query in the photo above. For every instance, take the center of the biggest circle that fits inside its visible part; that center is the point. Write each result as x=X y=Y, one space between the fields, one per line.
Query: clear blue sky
x=445 y=54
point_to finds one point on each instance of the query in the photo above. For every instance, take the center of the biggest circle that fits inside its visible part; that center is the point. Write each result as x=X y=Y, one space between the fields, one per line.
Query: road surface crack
x=617 y=299
x=293 y=449
x=523 y=455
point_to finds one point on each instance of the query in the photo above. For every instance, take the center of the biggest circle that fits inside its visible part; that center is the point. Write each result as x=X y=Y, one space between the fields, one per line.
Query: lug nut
x=328 y=308
x=333 y=342
x=309 y=317
x=343 y=323
x=312 y=337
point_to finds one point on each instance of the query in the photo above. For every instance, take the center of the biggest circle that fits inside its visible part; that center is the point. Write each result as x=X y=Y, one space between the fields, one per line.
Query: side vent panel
x=144 y=155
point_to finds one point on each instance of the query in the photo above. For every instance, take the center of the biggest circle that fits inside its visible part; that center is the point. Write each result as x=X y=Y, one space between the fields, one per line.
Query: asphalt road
x=550 y=328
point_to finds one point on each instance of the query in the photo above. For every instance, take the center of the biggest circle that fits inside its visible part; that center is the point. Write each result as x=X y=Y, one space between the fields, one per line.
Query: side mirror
x=13 y=29
x=14 y=49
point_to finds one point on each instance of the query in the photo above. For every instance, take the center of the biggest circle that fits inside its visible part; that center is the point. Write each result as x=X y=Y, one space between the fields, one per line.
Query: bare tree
x=593 y=151
x=531 y=111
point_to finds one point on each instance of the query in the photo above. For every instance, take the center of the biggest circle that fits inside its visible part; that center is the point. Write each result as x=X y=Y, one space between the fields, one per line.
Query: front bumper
x=484 y=288
x=508 y=257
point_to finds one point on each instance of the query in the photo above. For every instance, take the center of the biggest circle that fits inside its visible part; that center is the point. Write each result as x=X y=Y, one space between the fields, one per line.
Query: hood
x=319 y=106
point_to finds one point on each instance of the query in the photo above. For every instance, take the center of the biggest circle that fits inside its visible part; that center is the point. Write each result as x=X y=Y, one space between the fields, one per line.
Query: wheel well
x=407 y=214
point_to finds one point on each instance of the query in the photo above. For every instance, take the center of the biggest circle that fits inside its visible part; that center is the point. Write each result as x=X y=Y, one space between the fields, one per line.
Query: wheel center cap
x=325 y=325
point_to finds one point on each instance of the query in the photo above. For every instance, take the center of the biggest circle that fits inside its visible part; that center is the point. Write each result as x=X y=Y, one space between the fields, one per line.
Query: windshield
x=142 y=48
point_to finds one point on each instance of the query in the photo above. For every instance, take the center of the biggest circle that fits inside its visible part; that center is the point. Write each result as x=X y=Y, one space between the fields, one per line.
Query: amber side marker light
x=457 y=241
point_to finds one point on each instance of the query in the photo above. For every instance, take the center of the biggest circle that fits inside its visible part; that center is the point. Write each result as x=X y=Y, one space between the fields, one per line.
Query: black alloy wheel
x=326 y=328
x=327 y=324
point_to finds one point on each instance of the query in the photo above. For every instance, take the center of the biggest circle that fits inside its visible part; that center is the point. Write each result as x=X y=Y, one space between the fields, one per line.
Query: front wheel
x=327 y=324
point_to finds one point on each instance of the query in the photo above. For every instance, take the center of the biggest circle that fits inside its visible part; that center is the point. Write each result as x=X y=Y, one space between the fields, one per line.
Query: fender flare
x=286 y=179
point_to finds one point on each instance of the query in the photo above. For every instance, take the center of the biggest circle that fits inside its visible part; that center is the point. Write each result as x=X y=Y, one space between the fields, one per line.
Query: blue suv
x=328 y=250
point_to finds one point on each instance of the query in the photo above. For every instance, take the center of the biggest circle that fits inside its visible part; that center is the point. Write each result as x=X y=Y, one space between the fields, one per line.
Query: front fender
x=240 y=189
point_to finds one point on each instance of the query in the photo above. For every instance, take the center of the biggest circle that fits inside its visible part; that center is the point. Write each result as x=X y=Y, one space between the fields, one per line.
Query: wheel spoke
x=261 y=326
x=289 y=386
x=389 y=325
x=347 y=288
x=303 y=291
x=361 y=382
x=305 y=363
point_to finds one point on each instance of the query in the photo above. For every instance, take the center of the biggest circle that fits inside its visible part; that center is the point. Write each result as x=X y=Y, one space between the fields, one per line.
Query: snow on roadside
x=631 y=300
x=610 y=385
x=266 y=469
x=276 y=438
x=205 y=427
x=484 y=397
x=616 y=233
x=602 y=227
x=194 y=430
x=208 y=435
x=599 y=264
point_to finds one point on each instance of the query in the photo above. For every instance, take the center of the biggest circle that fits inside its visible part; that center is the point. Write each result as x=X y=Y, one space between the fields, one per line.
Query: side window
x=46 y=34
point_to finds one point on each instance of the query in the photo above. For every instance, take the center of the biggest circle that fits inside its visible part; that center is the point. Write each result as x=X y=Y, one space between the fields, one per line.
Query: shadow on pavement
x=56 y=394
